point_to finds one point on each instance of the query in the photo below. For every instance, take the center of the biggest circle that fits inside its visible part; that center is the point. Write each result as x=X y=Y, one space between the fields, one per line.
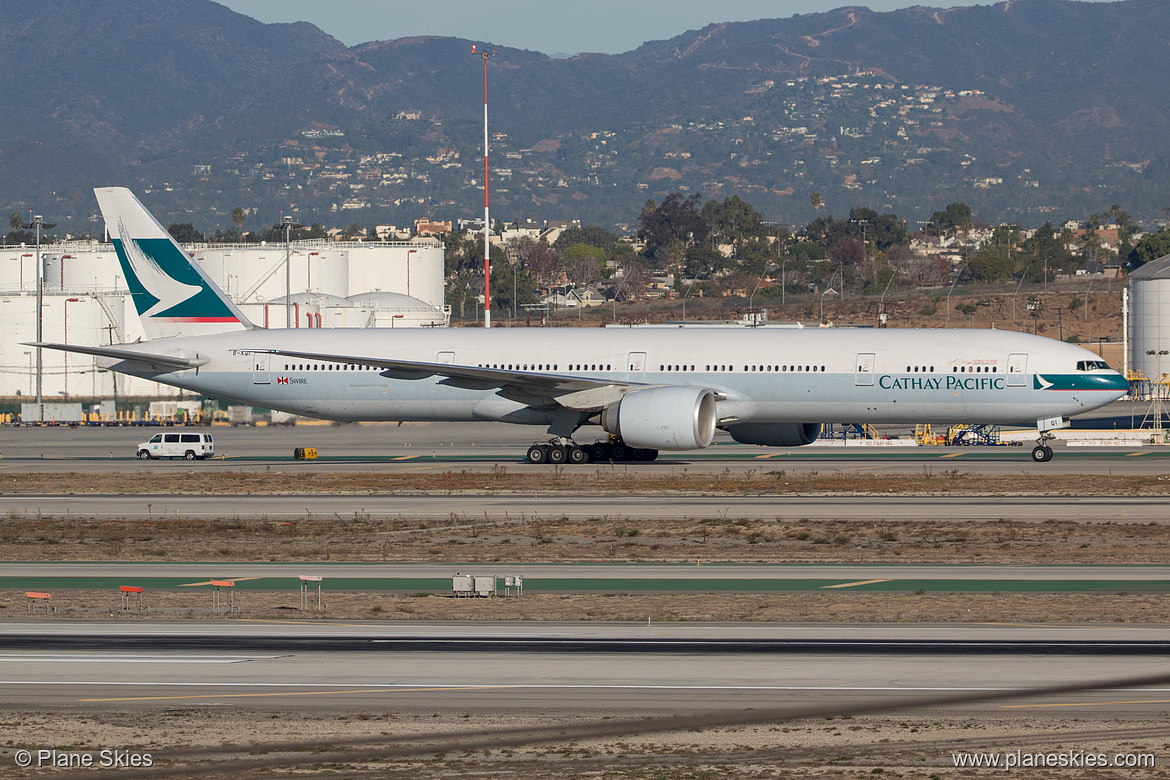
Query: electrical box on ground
x=485 y=585
x=462 y=585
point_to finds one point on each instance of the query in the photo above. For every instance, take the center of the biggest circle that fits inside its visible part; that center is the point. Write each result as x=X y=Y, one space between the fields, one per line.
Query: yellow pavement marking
x=233 y=579
x=852 y=584
x=406 y=457
x=954 y=455
x=300 y=693
x=1083 y=704
x=1136 y=454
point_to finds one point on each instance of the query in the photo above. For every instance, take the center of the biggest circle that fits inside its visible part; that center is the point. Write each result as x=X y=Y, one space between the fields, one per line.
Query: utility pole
x=487 y=225
x=38 y=222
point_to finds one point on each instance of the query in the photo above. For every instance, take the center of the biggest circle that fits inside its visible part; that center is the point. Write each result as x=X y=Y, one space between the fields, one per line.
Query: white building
x=85 y=301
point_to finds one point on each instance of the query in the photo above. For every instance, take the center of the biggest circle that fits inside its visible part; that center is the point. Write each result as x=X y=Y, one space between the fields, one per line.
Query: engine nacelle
x=663 y=418
x=775 y=434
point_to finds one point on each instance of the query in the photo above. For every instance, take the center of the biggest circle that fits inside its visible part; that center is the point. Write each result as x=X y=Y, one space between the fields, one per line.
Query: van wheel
x=189 y=455
x=143 y=455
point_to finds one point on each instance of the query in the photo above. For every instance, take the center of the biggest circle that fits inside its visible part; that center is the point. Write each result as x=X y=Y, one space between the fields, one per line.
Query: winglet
x=173 y=296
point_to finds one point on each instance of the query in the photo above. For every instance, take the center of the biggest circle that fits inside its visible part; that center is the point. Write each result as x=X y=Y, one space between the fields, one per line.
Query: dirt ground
x=355 y=744
x=601 y=479
x=698 y=540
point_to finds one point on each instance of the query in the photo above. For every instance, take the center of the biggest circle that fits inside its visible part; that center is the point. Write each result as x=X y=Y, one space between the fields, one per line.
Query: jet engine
x=775 y=434
x=663 y=418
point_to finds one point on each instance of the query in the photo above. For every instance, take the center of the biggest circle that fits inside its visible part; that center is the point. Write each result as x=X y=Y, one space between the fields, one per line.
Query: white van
x=192 y=446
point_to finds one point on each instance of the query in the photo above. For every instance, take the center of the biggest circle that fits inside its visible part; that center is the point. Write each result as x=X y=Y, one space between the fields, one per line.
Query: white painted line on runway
x=552 y=686
x=145 y=659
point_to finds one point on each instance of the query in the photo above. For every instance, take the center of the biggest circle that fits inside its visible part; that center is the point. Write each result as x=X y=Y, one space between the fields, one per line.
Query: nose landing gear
x=1043 y=453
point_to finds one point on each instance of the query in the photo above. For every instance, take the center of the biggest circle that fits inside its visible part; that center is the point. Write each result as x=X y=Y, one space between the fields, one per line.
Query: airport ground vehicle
x=190 y=446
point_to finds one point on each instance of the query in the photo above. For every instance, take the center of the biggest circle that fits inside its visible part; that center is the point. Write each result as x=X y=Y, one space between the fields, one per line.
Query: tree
x=733 y=220
x=884 y=230
x=815 y=200
x=238 y=216
x=1150 y=248
x=677 y=218
x=634 y=282
x=542 y=261
x=592 y=235
x=704 y=261
x=992 y=264
x=185 y=233
x=502 y=287
x=956 y=217
x=583 y=264
x=16 y=220
x=1045 y=249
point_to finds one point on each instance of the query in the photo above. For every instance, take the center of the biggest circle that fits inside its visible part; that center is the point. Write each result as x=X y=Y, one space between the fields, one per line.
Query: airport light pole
x=287 y=222
x=38 y=222
x=1023 y=276
x=953 y=283
x=487 y=225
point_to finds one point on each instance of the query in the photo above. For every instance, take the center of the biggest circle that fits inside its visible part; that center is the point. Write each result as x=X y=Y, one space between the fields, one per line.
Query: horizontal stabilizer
x=168 y=362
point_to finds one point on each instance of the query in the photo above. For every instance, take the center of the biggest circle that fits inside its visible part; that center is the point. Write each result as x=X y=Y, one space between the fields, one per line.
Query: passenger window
x=171 y=438
x=156 y=438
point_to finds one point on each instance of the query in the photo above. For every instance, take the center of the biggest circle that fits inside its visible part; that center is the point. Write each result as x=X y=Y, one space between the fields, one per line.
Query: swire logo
x=282 y=380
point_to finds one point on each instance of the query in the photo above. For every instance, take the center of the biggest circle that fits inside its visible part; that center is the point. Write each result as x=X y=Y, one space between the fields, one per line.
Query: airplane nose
x=1115 y=381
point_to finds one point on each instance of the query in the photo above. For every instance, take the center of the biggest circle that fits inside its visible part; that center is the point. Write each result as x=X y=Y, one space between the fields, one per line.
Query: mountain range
x=1029 y=110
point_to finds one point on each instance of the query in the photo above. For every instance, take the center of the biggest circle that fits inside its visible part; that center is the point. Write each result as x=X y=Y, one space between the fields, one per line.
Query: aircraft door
x=446 y=358
x=1017 y=369
x=865 y=366
x=260 y=365
x=636 y=367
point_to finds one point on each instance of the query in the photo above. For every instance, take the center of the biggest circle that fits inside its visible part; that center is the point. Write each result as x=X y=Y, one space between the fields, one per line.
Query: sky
x=554 y=27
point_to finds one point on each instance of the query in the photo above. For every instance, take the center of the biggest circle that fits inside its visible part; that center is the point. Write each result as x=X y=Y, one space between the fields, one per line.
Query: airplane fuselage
x=762 y=375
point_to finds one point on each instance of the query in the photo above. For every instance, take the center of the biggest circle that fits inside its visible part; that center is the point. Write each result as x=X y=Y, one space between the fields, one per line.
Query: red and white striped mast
x=487 y=268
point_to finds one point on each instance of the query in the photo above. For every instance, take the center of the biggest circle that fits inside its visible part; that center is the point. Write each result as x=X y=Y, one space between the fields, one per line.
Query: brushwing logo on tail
x=165 y=285
x=167 y=291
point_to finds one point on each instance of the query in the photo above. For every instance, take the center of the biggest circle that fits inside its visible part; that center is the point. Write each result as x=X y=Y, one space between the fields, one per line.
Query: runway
x=619 y=669
x=487 y=447
x=458 y=509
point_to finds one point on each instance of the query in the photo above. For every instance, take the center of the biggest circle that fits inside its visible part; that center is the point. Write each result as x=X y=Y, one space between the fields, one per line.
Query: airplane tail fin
x=173 y=296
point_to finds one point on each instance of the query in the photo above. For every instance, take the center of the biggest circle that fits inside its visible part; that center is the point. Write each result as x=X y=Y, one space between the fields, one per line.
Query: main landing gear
x=562 y=450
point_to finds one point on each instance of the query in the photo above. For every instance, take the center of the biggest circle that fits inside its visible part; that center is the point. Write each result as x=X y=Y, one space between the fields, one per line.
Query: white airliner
x=650 y=388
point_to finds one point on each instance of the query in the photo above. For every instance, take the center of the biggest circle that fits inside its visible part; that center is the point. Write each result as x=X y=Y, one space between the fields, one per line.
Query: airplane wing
x=528 y=387
x=154 y=360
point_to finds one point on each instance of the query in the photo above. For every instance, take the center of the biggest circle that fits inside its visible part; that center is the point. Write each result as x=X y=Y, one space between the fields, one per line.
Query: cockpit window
x=1092 y=365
